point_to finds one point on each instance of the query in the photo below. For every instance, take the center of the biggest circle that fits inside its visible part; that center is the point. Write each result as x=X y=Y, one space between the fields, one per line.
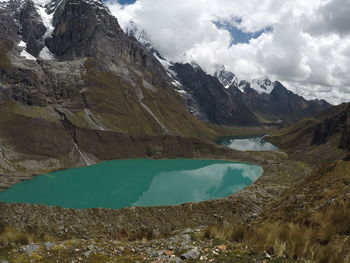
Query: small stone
x=192 y=254
x=186 y=237
x=175 y=260
x=48 y=245
x=91 y=247
x=267 y=255
x=87 y=253
x=29 y=249
x=169 y=252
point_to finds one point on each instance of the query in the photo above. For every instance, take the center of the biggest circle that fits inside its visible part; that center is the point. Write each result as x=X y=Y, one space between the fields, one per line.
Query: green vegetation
x=10 y=235
x=115 y=103
x=10 y=108
x=5 y=47
x=296 y=140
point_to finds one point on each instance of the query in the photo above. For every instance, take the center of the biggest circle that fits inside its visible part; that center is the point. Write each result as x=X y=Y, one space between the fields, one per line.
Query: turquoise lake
x=247 y=143
x=143 y=182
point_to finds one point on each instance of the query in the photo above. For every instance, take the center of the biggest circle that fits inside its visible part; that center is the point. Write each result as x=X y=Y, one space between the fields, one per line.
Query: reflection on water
x=125 y=183
x=247 y=144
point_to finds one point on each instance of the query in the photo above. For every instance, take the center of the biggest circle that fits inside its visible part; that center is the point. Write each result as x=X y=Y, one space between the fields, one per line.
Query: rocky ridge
x=311 y=138
x=68 y=66
x=234 y=102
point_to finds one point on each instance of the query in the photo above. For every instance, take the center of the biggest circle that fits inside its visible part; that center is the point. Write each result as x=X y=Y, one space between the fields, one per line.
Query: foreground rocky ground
x=190 y=245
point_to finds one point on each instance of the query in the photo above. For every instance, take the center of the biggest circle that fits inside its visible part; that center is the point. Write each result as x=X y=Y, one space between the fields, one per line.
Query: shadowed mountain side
x=323 y=138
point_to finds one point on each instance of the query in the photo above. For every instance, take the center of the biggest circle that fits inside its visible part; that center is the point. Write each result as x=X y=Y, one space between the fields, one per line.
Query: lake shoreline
x=242 y=206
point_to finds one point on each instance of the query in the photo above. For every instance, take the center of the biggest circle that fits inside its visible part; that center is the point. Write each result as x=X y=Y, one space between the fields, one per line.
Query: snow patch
x=22 y=44
x=263 y=85
x=26 y=55
x=227 y=78
x=41 y=2
x=46 y=54
x=172 y=74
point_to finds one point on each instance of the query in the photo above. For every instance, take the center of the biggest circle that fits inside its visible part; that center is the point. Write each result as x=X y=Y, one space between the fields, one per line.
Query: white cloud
x=308 y=48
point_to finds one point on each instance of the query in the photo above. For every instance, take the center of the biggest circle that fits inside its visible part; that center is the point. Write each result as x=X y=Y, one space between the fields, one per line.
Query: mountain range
x=234 y=102
x=68 y=65
x=76 y=89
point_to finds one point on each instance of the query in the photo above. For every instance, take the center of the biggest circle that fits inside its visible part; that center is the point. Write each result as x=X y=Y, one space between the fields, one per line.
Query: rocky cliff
x=67 y=65
x=271 y=102
x=325 y=137
x=216 y=104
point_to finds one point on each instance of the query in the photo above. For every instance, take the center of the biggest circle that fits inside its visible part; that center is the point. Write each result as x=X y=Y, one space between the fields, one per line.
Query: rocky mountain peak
x=33 y=28
x=243 y=85
x=227 y=78
x=133 y=30
x=82 y=29
x=262 y=85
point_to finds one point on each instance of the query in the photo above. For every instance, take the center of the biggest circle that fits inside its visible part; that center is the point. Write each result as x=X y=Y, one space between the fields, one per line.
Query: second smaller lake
x=247 y=143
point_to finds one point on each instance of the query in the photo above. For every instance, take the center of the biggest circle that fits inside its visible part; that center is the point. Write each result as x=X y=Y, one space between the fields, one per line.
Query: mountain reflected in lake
x=126 y=183
x=247 y=144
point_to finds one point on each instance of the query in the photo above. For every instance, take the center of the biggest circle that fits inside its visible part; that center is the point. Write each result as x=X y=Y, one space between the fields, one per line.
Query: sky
x=303 y=44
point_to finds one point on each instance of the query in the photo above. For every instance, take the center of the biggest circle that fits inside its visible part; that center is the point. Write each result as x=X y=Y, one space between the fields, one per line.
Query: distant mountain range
x=67 y=69
x=227 y=100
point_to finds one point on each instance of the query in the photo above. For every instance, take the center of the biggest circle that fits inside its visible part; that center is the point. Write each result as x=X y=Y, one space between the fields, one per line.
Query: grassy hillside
x=316 y=139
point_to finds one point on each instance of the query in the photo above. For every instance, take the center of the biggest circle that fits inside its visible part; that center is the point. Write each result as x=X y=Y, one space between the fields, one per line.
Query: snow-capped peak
x=195 y=65
x=41 y=2
x=262 y=85
x=242 y=85
x=132 y=29
x=227 y=78
x=47 y=21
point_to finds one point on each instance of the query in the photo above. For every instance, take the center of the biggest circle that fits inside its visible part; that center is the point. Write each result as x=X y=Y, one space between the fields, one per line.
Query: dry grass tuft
x=9 y=235
x=319 y=241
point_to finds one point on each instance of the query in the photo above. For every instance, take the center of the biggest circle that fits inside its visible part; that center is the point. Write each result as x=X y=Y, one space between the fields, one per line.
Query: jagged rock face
x=292 y=107
x=87 y=29
x=270 y=101
x=33 y=28
x=215 y=101
x=323 y=138
x=336 y=124
x=98 y=79
x=280 y=104
x=345 y=137
x=77 y=26
x=9 y=28
x=227 y=78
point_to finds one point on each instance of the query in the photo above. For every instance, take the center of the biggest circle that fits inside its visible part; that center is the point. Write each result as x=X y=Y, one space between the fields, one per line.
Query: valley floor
x=295 y=212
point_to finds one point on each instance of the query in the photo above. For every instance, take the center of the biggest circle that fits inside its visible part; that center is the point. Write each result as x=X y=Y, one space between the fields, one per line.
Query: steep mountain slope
x=68 y=69
x=323 y=138
x=259 y=102
x=271 y=101
x=215 y=102
x=227 y=78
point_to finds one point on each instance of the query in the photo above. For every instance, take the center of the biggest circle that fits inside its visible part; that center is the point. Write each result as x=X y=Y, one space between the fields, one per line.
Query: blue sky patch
x=239 y=36
x=126 y=2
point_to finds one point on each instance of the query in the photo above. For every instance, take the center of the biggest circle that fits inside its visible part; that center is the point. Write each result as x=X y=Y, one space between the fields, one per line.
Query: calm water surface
x=247 y=143
x=126 y=183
